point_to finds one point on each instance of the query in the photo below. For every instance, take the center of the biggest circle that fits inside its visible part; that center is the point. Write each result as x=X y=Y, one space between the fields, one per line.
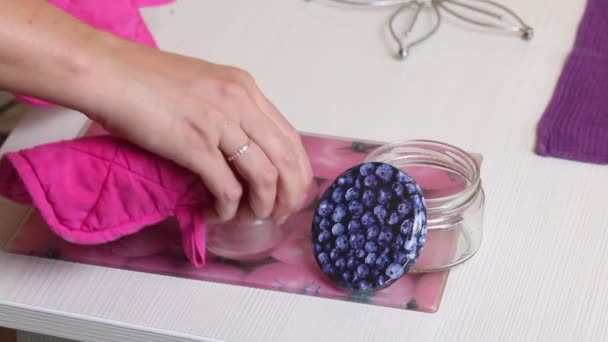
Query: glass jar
x=451 y=184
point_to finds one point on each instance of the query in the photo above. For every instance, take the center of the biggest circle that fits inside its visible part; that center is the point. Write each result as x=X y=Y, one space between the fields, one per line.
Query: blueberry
x=347 y=276
x=399 y=241
x=398 y=189
x=360 y=253
x=334 y=255
x=370 y=181
x=359 y=182
x=410 y=188
x=404 y=208
x=412 y=255
x=323 y=258
x=327 y=246
x=324 y=236
x=375 y=272
x=366 y=169
x=369 y=198
x=352 y=263
x=409 y=245
x=355 y=208
x=342 y=243
x=364 y=285
x=371 y=247
x=338 y=195
x=418 y=202
x=380 y=212
x=351 y=253
x=370 y=259
x=340 y=264
x=357 y=241
x=363 y=271
x=403 y=178
x=384 y=172
x=385 y=237
x=393 y=218
x=368 y=219
x=338 y=229
x=372 y=232
x=325 y=208
x=394 y=271
x=339 y=213
x=422 y=217
x=381 y=279
x=352 y=194
x=329 y=269
x=356 y=278
x=316 y=219
x=384 y=196
x=318 y=248
x=353 y=226
x=400 y=257
x=346 y=179
x=382 y=261
x=406 y=228
x=325 y=224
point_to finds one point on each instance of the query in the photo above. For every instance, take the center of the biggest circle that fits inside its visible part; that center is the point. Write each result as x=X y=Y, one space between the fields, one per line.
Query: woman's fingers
x=259 y=175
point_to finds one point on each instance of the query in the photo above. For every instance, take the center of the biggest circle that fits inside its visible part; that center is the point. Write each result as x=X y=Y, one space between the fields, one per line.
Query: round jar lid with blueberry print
x=369 y=227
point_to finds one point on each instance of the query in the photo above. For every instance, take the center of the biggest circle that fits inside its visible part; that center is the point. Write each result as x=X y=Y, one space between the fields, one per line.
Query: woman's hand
x=184 y=109
x=197 y=113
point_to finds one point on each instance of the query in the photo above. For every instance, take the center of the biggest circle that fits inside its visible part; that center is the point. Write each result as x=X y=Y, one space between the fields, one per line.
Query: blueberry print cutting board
x=291 y=267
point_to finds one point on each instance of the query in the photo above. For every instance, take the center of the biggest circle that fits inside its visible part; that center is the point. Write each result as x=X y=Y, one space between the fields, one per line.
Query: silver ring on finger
x=239 y=152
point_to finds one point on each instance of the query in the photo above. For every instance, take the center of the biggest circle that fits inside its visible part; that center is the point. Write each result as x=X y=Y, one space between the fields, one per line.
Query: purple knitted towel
x=575 y=124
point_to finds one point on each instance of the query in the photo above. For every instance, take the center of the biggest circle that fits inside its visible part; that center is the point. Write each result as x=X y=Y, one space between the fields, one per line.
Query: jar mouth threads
x=451 y=182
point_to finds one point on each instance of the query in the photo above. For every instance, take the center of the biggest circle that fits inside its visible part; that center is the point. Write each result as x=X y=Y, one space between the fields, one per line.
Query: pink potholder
x=120 y=17
x=94 y=190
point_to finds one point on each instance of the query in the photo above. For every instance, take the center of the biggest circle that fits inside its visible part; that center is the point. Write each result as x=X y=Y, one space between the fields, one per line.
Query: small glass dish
x=451 y=184
x=244 y=241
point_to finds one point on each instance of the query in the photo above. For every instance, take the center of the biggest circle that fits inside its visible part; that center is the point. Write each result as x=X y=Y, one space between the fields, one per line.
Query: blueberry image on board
x=353 y=226
x=370 y=259
x=363 y=223
x=393 y=218
x=370 y=181
x=357 y=241
x=394 y=271
x=342 y=243
x=338 y=229
x=384 y=196
x=371 y=247
x=334 y=254
x=340 y=264
x=385 y=173
x=369 y=198
x=324 y=236
x=338 y=195
x=398 y=189
x=339 y=213
x=372 y=233
x=361 y=253
x=368 y=219
x=352 y=194
x=363 y=271
x=380 y=212
x=325 y=208
x=355 y=208
x=325 y=223
x=366 y=169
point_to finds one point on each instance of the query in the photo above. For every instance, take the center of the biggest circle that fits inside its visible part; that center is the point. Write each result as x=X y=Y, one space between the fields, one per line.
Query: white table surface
x=541 y=271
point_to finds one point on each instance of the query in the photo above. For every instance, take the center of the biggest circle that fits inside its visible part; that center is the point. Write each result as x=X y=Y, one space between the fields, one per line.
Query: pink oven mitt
x=120 y=17
x=95 y=190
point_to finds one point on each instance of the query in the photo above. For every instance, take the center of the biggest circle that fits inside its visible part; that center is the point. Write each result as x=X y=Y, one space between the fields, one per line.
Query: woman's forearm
x=46 y=53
